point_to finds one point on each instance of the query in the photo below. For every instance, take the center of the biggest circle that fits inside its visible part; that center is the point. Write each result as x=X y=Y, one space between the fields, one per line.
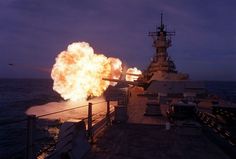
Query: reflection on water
x=81 y=109
x=59 y=112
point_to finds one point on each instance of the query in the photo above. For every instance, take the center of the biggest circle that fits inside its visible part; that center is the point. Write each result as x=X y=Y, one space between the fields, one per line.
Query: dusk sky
x=33 y=32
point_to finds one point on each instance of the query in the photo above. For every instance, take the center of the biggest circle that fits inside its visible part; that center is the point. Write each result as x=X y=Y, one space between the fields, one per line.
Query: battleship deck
x=153 y=141
x=146 y=137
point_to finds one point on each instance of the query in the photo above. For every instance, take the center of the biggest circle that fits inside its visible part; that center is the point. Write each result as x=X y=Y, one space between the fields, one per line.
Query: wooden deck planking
x=130 y=141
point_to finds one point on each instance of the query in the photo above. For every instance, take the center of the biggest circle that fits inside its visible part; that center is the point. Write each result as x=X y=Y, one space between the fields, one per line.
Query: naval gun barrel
x=132 y=74
x=134 y=83
x=122 y=81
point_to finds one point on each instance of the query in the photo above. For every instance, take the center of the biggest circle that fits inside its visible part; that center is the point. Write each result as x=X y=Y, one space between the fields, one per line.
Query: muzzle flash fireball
x=78 y=72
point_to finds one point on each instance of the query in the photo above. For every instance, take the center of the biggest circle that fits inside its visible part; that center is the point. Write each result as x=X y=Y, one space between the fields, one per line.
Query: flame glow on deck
x=78 y=72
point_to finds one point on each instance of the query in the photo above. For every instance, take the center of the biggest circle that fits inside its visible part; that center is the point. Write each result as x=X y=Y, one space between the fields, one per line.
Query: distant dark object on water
x=10 y=64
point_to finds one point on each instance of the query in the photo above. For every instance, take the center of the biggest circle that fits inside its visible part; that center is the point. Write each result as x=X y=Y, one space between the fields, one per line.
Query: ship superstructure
x=162 y=67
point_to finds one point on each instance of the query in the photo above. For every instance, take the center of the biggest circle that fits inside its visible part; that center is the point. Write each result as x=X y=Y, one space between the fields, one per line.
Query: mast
x=161 y=41
x=162 y=25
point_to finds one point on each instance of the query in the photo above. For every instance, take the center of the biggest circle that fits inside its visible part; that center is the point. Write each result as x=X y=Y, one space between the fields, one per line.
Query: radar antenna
x=161 y=29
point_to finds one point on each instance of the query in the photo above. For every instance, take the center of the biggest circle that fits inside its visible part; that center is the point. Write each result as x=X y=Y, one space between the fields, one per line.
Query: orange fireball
x=132 y=74
x=78 y=72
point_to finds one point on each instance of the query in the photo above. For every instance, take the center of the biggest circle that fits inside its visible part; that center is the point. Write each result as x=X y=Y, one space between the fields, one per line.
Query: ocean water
x=17 y=95
x=225 y=90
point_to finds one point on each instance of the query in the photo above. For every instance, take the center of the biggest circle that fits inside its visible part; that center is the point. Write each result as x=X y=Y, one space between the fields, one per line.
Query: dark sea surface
x=225 y=90
x=17 y=95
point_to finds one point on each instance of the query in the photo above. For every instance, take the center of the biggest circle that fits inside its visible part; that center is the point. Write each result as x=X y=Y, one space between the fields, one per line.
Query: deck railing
x=91 y=124
x=212 y=122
